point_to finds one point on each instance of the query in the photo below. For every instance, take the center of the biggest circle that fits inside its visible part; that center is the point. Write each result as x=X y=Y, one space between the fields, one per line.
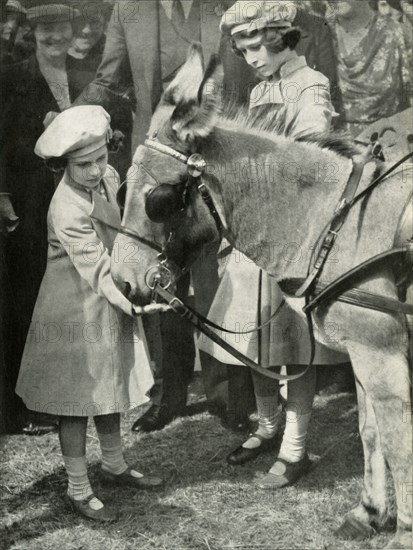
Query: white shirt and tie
x=168 y=6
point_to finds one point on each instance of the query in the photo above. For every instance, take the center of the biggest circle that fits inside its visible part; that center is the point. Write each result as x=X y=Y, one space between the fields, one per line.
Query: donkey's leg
x=372 y=509
x=384 y=376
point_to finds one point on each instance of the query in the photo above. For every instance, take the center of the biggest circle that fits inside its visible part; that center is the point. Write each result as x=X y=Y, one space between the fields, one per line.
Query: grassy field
x=205 y=503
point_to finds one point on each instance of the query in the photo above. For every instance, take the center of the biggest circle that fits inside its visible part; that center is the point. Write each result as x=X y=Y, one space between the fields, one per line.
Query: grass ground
x=205 y=503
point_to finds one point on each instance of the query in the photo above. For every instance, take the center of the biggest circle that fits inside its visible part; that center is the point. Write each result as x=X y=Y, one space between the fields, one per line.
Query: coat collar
x=272 y=91
x=292 y=66
x=101 y=210
x=105 y=211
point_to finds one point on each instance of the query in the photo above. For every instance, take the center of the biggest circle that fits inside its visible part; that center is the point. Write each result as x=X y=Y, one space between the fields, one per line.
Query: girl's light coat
x=84 y=355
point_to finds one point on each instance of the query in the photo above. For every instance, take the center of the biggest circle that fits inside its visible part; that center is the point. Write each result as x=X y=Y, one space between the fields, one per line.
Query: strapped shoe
x=83 y=508
x=126 y=478
x=284 y=473
x=242 y=455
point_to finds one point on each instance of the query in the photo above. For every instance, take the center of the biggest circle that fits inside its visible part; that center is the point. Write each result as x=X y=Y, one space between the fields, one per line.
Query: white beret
x=248 y=16
x=75 y=132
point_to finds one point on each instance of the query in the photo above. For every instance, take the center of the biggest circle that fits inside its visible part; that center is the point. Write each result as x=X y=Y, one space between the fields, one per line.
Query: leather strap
x=341 y=288
x=340 y=217
x=336 y=224
x=187 y=313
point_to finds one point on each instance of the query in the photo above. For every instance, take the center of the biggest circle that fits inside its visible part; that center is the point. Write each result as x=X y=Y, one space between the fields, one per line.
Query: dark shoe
x=83 y=508
x=284 y=473
x=236 y=424
x=155 y=418
x=241 y=455
x=145 y=482
x=32 y=428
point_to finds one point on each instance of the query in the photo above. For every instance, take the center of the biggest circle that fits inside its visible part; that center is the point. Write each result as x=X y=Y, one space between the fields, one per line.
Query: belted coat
x=85 y=354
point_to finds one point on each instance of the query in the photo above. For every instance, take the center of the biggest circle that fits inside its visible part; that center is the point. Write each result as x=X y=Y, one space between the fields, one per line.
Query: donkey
x=271 y=191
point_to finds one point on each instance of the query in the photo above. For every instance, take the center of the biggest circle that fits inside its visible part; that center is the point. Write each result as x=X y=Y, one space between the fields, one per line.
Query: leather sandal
x=242 y=455
x=83 y=508
x=284 y=473
x=126 y=478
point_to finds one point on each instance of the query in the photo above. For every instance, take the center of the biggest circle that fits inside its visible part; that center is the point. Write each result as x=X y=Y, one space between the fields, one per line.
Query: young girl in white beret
x=295 y=100
x=85 y=354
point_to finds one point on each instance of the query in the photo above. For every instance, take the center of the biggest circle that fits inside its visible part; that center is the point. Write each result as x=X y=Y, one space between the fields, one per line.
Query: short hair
x=56 y=164
x=275 y=39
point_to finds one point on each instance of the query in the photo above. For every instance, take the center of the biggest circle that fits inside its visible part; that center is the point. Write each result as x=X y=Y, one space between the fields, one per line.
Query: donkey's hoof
x=402 y=539
x=354 y=529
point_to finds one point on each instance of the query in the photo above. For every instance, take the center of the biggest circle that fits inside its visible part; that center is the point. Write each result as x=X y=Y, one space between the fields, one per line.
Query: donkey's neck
x=277 y=194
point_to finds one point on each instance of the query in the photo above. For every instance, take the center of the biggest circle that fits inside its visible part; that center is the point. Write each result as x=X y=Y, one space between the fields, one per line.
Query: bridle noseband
x=161 y=273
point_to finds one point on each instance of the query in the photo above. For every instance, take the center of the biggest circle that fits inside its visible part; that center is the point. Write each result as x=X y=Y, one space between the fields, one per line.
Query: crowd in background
x=363 y=47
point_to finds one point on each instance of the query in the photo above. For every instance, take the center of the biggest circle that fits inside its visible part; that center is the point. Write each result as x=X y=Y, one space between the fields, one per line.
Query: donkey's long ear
x=184 y=87
x=195 y=115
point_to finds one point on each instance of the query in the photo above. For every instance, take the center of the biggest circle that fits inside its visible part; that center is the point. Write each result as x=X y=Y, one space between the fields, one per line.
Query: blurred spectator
x=29 y=90
x=14 y=46
x=372 y=64
x=317 y=6
x=407 y=9
x=388 y=8
x=393 y=9
x=83 y=61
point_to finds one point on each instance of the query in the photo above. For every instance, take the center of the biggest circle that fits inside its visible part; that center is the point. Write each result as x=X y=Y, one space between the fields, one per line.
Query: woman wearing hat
x=296 y=99
x=29 y=90
x=84 y=355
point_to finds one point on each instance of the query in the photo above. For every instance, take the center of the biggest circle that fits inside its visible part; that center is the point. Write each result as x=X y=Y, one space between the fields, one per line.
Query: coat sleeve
x=314 y=112
x=107 y=85
x=75 y=232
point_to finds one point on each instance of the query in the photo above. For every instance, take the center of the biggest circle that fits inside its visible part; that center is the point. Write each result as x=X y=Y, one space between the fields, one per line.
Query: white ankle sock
x=112 y=455
x=268 y=419
x=79 y=486
x=296 y=427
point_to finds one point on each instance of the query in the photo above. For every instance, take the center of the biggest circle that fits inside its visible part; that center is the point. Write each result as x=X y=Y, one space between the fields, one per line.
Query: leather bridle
x=160 y=275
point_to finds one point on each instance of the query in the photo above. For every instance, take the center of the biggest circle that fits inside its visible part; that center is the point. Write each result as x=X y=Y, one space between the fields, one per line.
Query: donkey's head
x=165 y=218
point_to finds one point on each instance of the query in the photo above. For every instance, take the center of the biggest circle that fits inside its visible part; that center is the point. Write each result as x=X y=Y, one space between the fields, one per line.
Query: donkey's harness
x=158 y=278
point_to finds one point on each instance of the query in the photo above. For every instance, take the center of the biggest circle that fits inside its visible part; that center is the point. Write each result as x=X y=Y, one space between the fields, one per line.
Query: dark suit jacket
x=134 y=32
x=25 y=100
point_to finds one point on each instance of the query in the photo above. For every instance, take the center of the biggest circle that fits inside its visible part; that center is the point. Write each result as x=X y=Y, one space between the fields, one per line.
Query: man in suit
x=156 y=36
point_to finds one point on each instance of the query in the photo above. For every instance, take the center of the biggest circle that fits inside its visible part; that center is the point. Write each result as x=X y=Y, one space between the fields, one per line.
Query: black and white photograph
x=206 y=274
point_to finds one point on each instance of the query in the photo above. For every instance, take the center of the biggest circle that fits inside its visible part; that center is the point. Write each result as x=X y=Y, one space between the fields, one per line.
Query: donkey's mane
x=263 y=122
